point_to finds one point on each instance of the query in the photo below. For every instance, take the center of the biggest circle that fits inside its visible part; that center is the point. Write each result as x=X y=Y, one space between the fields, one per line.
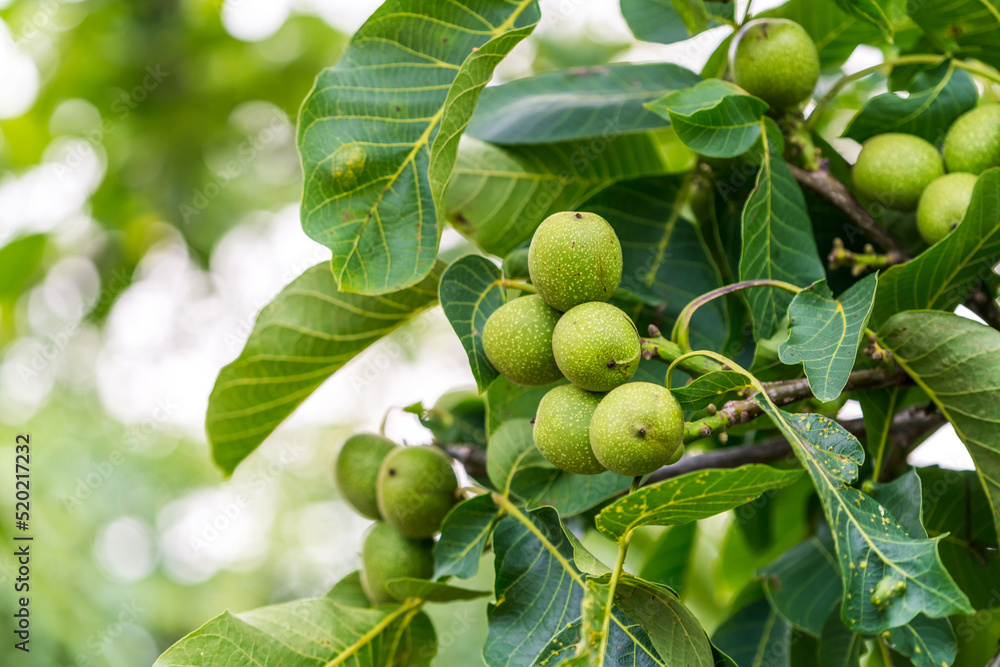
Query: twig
x=825 y=184
x=908 y=425
x=783 y=393
x=860 y=263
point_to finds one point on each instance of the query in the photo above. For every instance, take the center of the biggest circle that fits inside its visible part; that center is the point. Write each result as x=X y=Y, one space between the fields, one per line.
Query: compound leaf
x=379 y=131
x=464 y=533
x=935 y=100
x=690 y=497
x=957 y=362
x=470 y=291
x=824 y=334
x=300 y=339
x=714 y=117
x=579 y=103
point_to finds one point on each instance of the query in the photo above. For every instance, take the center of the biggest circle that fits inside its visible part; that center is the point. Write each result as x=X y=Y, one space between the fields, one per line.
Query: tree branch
x=826 y=185
x=784 y=393
x=909 y=425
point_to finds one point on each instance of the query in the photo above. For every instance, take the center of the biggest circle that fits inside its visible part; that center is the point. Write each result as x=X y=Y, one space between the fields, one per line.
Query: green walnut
x=637 y=428
x=596 y=346
x=893 y=169
x=517 y=340
x=416 y=488
x=356 y=470
x=387 y=555
x=775 y=60
x=562 y=429
x=973 y=140
x=943 y=205
x=574 y=257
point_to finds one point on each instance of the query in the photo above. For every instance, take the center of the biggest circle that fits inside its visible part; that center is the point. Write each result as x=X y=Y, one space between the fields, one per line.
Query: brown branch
x=908 y=425
x=985 y=307
x=784 y=393
x=826 y=185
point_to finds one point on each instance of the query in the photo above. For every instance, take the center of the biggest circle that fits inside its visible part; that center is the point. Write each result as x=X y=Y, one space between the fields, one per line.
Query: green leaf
x=968 y=28
x=538 y=591
x=464 y=533
x=945 y=274
x=506 y=401
x=470 y=291
x=499 y=195
x=934 y=101
x=628 y=644
x=824 y=334
x=300 y=339
x=309 y=633
x=835 y=32
x=513 y=463
x=579 y=103
x=430 y=591
x=669 y=21
x=804 y=584
x=379 y=131
x=838 y=646
x=714 y=118
x=872 y=547
x=879 y=407
x=670 y=558
x=873 y=11
x=511 y=449
x=690 y=497
x=20 y=259
x=708 y=388
x=674 y=631
x=955 y=505
x=666 y=262
x=957 y=362
x=778 y=242
x=927 y=642
x=755 y=636
x=349 y=592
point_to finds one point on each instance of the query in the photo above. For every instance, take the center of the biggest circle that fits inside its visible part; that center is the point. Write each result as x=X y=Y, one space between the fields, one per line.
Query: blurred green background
x=148 y=209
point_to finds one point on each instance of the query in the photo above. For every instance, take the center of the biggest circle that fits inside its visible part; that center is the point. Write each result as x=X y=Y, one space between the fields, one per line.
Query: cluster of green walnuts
x=408 y=491
x=903 y=171
x=777 y=61
x=601 y=421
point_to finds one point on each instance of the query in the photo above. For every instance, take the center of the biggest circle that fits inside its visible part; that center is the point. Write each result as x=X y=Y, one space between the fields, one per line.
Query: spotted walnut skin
x=575 y=257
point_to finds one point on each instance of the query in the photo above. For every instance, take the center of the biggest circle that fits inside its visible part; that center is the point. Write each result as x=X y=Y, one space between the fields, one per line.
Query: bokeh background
x=148 y=209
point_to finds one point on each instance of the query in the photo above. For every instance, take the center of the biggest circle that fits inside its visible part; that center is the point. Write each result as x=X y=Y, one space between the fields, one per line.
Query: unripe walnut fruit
x=517 y=340
x=356 y=470
x=973 y=141
x=574 y=257
x=596 y=346
x=943 y=205
x=562 y=429
x=893 y=169
x=775 y=60
x=387 y=555
x=637 y=428
x=416 y=489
